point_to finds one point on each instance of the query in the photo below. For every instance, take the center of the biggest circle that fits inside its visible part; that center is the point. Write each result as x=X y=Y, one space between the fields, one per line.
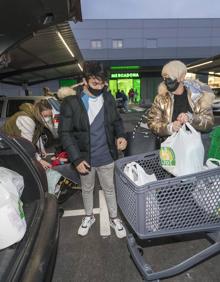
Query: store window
x=117 y=43
x=96 y=44
x=190 y=75
x=151 y=43
x=126 y=84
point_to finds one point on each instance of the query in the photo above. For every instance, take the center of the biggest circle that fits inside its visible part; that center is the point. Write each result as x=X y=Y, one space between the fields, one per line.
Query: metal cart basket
x=169 y=206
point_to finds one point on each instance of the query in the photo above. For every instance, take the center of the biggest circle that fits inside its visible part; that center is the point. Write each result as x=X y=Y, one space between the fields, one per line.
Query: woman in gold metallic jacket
x=179 y=101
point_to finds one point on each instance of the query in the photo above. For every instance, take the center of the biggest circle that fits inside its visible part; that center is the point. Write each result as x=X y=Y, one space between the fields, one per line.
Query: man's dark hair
x=92 y=68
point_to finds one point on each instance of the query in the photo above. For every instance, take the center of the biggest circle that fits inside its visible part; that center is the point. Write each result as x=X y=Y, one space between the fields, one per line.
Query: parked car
x=32 y=258
x=10 y=105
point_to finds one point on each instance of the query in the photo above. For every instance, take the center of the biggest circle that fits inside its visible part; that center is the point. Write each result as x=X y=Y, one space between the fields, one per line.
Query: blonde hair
x=174 y=69
x=68 y=91
x=64 y=92
x=39 y=107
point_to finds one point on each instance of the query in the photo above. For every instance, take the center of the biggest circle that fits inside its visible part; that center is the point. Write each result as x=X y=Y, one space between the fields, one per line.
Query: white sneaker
x=87 y=222
x=116 y=224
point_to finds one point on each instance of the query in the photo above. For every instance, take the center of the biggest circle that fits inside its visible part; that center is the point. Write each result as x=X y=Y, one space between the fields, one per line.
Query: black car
x=33 y=258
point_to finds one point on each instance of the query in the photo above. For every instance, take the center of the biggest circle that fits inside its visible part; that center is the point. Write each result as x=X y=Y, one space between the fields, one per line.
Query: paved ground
x=106 y=259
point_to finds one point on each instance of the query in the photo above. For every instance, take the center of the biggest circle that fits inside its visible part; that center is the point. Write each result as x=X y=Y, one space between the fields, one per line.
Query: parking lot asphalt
x=95 y=258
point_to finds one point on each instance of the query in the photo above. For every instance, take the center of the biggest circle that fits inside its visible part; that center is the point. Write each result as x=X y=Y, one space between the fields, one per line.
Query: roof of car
x=26 y=97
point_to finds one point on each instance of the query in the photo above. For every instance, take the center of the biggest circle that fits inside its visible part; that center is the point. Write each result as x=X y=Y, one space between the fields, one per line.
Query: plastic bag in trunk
x=12 y=219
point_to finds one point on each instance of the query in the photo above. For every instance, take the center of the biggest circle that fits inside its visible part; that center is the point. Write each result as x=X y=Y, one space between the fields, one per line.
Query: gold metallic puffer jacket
x=200 y=97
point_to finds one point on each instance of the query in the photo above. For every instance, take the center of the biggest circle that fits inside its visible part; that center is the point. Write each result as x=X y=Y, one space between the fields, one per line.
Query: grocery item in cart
x=207 y=194
x=183 y=152
x=137 y=174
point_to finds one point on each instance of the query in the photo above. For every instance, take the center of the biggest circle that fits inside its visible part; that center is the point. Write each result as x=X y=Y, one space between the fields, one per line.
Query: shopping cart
x=167 y=207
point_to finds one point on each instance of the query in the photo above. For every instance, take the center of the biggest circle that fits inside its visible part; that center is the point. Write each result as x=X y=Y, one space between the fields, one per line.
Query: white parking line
x=78 y=212
x=103 y=211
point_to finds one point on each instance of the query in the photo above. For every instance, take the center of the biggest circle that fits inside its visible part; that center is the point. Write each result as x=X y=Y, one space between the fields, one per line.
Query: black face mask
x=95 y=92
x=171 y=84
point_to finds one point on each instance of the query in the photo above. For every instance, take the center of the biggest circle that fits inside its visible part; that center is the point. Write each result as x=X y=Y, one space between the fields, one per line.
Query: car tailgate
x=42 y=258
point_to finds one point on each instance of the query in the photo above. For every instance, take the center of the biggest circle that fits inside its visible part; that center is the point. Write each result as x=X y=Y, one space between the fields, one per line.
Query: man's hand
x=183 y=118
x=121 y=143
x=83 y=167
x=176 y=126
x=45 y=164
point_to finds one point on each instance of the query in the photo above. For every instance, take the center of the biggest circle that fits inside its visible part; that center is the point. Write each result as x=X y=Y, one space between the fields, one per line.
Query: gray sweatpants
x=106 y=179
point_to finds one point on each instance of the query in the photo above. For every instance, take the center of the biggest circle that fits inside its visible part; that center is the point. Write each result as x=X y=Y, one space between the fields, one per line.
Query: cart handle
x=190 y=180
x=151 y=155
x=147 y=271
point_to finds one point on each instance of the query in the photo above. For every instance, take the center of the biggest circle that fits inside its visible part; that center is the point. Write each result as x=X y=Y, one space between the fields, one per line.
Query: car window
x=1 y=106
x=13 y=106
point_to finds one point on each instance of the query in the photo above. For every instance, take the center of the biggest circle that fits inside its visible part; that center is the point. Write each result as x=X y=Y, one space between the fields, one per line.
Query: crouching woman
x=29 y=123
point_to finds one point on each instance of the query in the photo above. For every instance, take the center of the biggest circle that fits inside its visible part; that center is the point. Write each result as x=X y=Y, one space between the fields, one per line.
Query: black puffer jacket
x=74 y=128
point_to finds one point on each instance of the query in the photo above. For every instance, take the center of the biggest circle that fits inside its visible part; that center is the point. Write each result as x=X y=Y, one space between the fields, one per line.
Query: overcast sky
x=148 y=9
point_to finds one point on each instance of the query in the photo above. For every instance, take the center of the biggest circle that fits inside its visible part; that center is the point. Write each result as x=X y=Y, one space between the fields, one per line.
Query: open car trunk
x=33 y=258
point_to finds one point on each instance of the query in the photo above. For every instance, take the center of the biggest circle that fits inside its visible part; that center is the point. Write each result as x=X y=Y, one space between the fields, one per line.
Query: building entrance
x=126 y=84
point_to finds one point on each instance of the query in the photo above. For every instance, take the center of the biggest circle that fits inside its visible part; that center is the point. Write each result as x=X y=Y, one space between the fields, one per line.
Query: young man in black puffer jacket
x=92 y=132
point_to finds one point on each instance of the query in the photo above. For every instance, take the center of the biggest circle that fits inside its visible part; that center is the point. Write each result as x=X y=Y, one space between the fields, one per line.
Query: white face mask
x=47 y=119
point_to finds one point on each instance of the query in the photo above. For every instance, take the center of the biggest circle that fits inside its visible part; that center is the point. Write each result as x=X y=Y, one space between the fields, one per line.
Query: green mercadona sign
x=125 y=75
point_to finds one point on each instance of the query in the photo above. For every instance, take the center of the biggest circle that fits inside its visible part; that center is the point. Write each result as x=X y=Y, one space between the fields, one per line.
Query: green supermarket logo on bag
x=167 y=156
x=20 y=208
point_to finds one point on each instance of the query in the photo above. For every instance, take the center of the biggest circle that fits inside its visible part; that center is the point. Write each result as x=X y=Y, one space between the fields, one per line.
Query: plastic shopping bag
x=12 y=219
x=212 y=163
x=207 y=192
x=53 y=177
x=137 y=174
x=183 y=152
x=12 y=178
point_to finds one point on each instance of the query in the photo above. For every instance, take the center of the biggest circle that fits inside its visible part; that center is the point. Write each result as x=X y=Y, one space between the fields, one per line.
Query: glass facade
x=125 y=84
